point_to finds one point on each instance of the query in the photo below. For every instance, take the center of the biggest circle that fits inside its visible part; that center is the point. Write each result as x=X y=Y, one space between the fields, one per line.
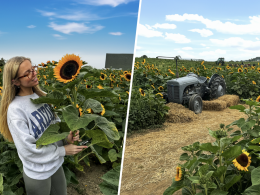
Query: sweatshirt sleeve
x=26 y=144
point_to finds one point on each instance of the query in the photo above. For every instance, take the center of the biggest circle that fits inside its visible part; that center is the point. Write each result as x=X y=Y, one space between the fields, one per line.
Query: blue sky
x=199 y=29
x=48 y=30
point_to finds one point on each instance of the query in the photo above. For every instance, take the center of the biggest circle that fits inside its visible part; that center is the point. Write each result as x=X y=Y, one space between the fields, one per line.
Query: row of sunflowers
x=91 y=100
x=230 y=165
x=154 y=73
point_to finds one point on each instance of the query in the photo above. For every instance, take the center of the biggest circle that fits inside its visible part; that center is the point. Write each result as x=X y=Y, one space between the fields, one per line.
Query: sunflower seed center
x=242 y=160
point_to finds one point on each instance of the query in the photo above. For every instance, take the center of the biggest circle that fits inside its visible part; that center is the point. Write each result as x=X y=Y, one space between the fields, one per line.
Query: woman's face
x=31 y=79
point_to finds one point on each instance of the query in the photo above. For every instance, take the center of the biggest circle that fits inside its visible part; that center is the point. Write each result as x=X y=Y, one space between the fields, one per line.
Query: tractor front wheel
x=195 y=103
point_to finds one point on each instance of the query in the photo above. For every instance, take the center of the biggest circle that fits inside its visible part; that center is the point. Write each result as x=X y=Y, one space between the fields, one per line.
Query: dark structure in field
x=119 y=61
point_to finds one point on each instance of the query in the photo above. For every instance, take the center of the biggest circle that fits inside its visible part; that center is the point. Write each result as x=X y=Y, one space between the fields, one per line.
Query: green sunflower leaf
x=51 y=135
x=93 y=104
x=255 y=176
x=176 y=185
x=252 y=190
x=51 y=98
x=70 y=115
x=109 y=128
x=99 y=138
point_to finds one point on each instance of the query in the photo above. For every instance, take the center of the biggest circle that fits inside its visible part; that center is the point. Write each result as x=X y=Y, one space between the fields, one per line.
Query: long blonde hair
x=9 y=91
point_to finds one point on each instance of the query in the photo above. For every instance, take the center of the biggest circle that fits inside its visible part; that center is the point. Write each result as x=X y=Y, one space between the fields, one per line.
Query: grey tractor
x=191 y=89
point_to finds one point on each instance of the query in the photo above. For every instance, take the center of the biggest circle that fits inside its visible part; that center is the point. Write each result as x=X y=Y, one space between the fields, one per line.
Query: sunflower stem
x=86 y=156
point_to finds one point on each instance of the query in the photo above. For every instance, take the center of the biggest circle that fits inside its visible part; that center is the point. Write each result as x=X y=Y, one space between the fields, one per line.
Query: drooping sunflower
x=202 y=62
x=258 y=99
x=160 y=95
x=179 y=174
x=68 y=68
x=127 y=92
x=254 y=83
x=153 y=86
x=240 y=70
x=103 y=111
x=160 y=88
x=128 y=76
x=222 y=76
x=90 y=111
x=100 y=87
x=208 y=78
x=243 y=161
x=142 y=92
x=80 y=110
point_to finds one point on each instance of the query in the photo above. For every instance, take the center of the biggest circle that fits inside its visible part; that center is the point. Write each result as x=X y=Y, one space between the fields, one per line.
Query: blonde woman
x=24 y=122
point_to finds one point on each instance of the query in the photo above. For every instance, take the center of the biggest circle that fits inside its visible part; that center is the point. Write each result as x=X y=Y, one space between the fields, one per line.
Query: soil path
x=151 y=158
x=89 y=180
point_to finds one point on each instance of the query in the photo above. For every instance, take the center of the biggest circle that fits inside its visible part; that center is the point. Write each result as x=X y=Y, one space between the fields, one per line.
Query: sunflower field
x=87 y=99
x=241 y=80
x=230 y=165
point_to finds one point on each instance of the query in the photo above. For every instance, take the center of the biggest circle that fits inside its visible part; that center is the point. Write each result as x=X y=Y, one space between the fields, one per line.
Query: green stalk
x=206 y=190
x=86 y=156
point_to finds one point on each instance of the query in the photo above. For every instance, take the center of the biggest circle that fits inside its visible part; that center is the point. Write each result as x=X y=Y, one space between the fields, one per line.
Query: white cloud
x=44 y=13
x=203 y=44
x=58 y=36
x=231 y=28
x=257 y=38
x=112 y=3
x=74 y=27
x=148 y=27
x=116 y=33
x=178 y=38
x=164 y=26
x=237 y=42
x=138 y=48
x=187 y=48
x=203 y=32
x=73 y=15
x=207 y=47
x=215 y=53
x=31 y=26
x=145 y=32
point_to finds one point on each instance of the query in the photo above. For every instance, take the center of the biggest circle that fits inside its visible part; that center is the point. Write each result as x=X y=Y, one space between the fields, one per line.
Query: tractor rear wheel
x=217 y=87
x=195 y=103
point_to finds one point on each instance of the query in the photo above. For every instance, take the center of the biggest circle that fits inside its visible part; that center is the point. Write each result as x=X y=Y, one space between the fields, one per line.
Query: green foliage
x=110 y=183
x=146 y=111
x=212 y=168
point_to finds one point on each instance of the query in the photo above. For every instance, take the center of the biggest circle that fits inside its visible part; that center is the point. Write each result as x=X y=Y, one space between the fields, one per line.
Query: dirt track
x=151 y=158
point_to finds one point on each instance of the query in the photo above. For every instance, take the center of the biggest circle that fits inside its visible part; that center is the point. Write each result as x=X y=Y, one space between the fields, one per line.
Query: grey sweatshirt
x=27 y=122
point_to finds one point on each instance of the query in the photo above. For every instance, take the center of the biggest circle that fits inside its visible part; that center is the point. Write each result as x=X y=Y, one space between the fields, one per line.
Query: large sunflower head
x=68 y=68
x=128 y=76
x=179 y=173
x=243 y=161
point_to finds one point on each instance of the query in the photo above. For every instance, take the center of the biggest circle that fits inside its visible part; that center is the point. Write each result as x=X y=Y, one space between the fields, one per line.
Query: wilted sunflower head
x=100 y=87
x=68 y=68
x=179 y=173
x=243 y=161
x=258 y=99
x=127 y=76
x=160 y=95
